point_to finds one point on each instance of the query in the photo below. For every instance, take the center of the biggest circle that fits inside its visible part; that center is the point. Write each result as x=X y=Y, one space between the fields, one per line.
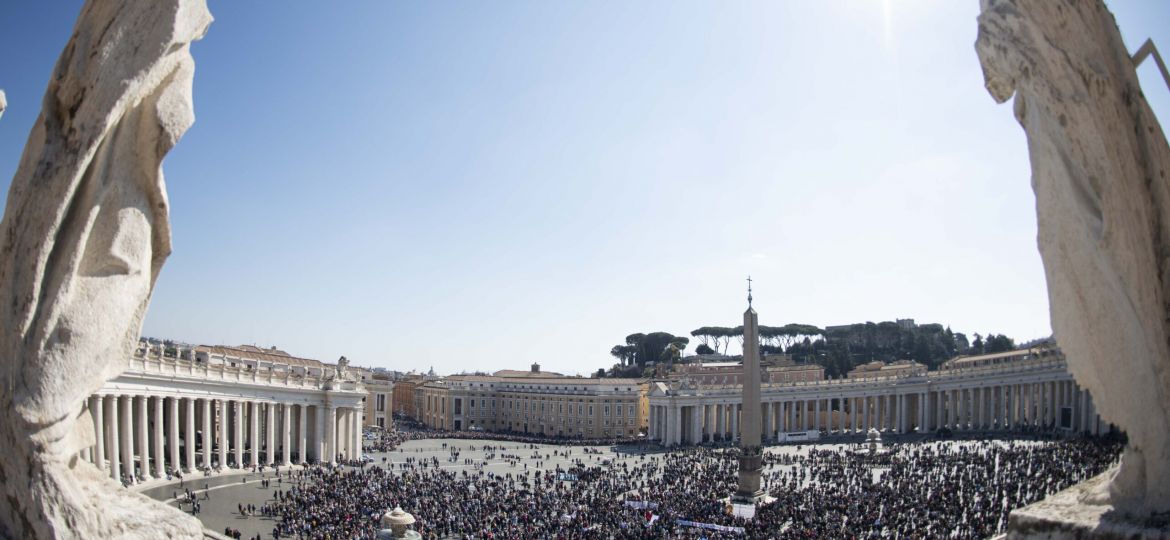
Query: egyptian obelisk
x=750 y=458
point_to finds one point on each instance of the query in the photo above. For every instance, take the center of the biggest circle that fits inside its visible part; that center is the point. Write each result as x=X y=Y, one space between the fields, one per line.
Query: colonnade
x=139 y=437
x=984 y=405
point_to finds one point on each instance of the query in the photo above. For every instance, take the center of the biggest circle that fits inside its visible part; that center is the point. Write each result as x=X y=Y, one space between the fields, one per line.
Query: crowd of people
x=913 y=490
x=387 y=440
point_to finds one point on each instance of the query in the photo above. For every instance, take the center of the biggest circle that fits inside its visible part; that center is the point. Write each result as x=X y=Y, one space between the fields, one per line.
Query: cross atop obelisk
x=749 y=291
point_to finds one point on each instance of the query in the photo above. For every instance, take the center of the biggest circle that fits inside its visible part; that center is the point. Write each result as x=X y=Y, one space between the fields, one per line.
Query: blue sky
x=485 y=185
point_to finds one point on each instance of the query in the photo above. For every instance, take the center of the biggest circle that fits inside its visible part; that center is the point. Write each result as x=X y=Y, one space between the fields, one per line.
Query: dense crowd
x=915 y=490
x=387 y=440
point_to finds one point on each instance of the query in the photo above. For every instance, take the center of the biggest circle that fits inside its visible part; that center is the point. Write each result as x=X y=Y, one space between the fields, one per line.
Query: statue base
x=1067 y=515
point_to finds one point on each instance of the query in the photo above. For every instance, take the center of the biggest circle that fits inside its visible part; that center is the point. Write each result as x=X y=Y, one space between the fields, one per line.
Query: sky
x=480 y=186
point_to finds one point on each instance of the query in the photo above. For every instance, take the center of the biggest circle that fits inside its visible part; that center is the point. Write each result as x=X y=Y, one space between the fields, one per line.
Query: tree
x=703 y=348
x=977 y=345
x=624 y=353
x=997 y=343
x=643 y=348
x=716 y=337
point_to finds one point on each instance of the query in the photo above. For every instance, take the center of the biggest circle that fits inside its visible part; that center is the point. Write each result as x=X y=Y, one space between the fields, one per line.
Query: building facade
x=223 y=407
x=379 y=401
x=535 y=403
x=1027 y=388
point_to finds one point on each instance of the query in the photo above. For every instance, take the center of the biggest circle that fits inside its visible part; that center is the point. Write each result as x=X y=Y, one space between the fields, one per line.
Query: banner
x=709 y=526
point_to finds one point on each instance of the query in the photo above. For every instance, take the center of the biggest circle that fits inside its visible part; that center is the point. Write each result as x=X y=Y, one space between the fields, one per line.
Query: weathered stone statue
x=85 y=233
x=1099 y=169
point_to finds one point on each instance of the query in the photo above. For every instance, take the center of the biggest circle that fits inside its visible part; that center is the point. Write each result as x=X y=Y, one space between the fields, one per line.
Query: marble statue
x=3 y=103
x=1099 y=170
x=85 y=233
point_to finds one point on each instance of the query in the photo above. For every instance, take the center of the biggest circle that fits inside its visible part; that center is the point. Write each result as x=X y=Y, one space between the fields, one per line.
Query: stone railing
x=940 y=376
x=146 y=362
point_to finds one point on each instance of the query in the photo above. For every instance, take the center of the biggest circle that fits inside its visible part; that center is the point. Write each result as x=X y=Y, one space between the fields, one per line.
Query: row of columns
x=1030 y=405
x=143 y=437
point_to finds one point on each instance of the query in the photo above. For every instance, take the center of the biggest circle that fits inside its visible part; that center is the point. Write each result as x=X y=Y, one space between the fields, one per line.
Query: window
x=607 y=410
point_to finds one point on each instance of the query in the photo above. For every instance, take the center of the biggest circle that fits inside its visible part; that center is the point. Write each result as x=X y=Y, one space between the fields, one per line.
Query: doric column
x=303 y=433
x=143 y=424
x=696 y=423
x=208 y=433
x=254 y=432
x=330 y=434
x=222 y=424
x=160 y=469
x=767 y=433
x=977 y=413
x=817 y=414
x=922 y=412
x=97 y=407
x=709 y=420
x=1053 y=386
x=270 y=434
x=718 y=421
x=286 y=435
x=238 y=432
x=127 y=410
x=357 y=432
x=173 y=432
x=189 y=436
x=113 y=439
x=735 y=419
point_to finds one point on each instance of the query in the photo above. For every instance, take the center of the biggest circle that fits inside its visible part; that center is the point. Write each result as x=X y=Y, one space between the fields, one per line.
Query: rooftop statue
x=1099 y=169
x=85 y=233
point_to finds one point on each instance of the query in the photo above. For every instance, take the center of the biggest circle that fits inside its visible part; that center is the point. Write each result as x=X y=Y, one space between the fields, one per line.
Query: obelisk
x=750 y=458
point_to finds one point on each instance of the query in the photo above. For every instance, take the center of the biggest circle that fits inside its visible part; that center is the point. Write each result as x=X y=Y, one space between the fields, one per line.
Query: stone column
x=254 y=432
x=768 y=428
x=286 y=435
x=735 y=419
x=189 y=437
x=97 y=407
x=160 y=470
x=142 y=422
x=330 y=434
x=303 y=433
x=817 y=414
x=222 y=426
x=238 y=432
x=208 y=433
x=270 y=434
x=720 y=421
x=922 y=412
x=173 y=433
x=113 y=438
x=127 y=410
x=357 y=432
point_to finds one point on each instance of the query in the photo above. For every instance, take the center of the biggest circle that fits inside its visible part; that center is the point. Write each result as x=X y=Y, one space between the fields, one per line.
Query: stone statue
x=3 y=103
x=1099 y=169
x=85 y=233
